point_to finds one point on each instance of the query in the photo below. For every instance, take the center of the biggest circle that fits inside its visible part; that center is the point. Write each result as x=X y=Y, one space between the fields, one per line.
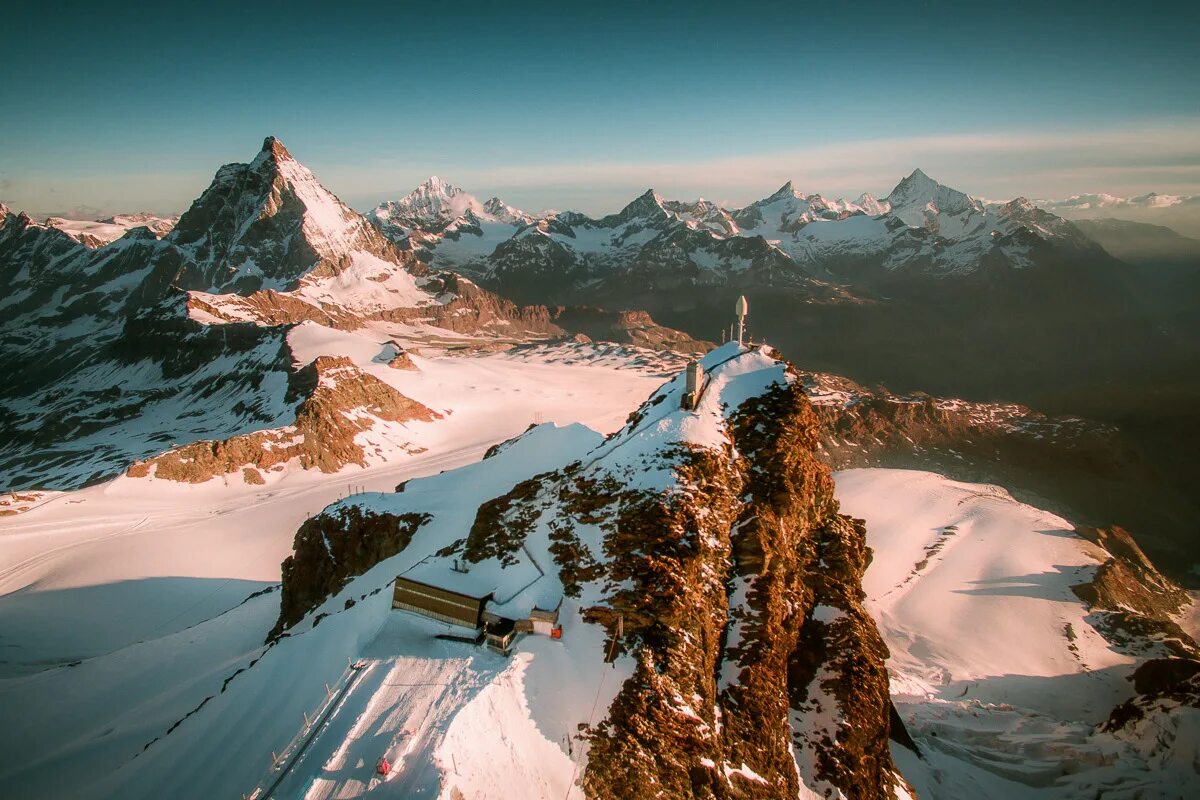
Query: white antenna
x=741 y=309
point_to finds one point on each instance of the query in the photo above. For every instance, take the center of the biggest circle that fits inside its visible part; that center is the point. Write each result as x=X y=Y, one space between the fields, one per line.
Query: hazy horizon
x=587 y=108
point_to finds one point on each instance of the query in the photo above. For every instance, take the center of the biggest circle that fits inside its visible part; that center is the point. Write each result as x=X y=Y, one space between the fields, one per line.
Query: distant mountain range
x=1102 y=201
x=922 y=228
x=1180 y=212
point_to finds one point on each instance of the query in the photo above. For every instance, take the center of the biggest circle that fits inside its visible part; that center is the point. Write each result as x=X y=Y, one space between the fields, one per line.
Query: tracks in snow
x=49 y=555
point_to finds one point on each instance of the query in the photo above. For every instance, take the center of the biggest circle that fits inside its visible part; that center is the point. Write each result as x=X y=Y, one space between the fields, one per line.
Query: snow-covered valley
x=136 y=583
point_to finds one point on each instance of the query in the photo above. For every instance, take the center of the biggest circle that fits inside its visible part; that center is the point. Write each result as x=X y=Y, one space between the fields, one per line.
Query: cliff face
x=1134 y=605
x=331 y=549
x=708 y=547
x=1136 y=608
x=754 y=622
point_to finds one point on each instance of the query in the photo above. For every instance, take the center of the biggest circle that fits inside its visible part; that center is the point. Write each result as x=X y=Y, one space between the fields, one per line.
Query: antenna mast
x=741 y=309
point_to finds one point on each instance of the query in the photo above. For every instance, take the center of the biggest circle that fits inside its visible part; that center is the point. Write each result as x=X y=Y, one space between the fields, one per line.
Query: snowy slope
x=94 y=233
x=997 y=668
x=144 y=581
x=140 y=598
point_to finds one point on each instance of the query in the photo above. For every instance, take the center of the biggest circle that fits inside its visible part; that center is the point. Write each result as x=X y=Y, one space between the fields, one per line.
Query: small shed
x=543 y=621
x=437 y=603
x=500 y=635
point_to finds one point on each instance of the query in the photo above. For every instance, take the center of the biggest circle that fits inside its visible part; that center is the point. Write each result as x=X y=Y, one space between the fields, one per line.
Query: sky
x=111 y=107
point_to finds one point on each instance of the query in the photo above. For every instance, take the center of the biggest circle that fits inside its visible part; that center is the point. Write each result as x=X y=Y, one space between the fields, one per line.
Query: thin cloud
x=1034 y=163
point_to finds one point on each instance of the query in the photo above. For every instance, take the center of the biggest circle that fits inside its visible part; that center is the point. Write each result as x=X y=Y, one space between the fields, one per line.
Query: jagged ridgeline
x=704 y=550
x=117 y=352
x=106 y=364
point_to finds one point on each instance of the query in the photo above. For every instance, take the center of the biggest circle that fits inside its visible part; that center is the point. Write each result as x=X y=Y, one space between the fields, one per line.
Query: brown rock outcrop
x=1160 y=683
x=805 y=648
x=736 y=593
x=332 y=548
x=626 y=327
x=1134 y=605
x=345 y=402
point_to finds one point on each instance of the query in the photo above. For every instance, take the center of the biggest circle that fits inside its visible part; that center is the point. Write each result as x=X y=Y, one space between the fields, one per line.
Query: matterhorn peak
x=268 y=223
x=273 y=149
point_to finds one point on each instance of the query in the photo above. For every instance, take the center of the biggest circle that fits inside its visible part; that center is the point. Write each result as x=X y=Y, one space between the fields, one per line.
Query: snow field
x=141 y=579
x=995 y=668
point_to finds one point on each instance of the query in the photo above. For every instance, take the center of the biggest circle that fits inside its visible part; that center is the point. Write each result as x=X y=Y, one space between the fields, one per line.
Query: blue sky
x=584 y=106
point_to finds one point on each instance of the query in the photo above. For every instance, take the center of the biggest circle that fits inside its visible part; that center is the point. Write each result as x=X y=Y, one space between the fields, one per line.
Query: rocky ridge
x=1138 y=610
x=1057 y=461
x=708 y=547
x=344 y=402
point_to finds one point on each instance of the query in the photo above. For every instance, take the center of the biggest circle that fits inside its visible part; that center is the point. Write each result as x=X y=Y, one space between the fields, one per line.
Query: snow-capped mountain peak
x=267 y=223
x=785 y=191
x=1155 y=200
x=274 y=150
x=917 y=199
x=433 y=202
x=922 y=225
x=503 y=212
x=648 y=205
x=871 y=205
x=436 y=205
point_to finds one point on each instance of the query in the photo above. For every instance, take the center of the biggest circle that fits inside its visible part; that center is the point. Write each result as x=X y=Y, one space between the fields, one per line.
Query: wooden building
x=437 y=603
